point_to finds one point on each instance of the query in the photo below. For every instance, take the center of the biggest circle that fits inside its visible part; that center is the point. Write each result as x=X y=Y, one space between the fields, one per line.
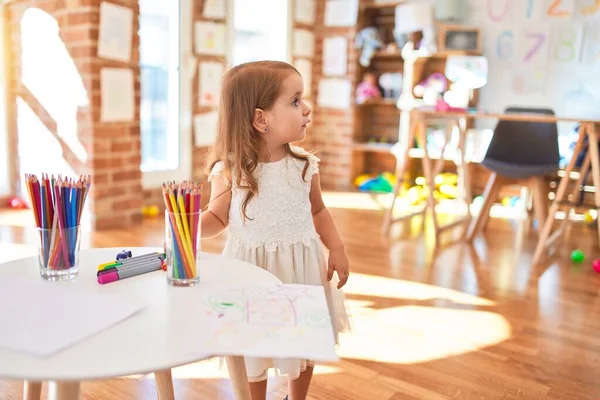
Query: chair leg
x=540 y=199
x=492 y=188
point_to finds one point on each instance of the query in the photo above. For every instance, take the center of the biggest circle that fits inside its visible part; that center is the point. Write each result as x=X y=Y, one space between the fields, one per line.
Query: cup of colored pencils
x=57 y=205
x=182 y=232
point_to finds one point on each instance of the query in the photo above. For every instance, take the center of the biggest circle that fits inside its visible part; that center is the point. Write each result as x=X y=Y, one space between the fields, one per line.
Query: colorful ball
x=577 y=256
x=588 y=217
x=596 y=265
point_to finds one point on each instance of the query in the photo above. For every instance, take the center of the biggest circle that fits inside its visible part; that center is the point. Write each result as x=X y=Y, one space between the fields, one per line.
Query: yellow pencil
x=186 y=231
x=185 y=249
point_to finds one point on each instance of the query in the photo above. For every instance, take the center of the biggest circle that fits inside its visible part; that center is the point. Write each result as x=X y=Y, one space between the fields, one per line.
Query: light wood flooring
x=456 y=322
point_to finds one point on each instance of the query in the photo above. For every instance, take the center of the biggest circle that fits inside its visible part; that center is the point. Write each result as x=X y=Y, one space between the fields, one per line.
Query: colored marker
x=130 y=261
x=156 y=261
x=116 y=275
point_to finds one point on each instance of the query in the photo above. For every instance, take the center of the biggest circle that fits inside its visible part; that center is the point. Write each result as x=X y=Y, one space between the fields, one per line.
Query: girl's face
x=289 y=116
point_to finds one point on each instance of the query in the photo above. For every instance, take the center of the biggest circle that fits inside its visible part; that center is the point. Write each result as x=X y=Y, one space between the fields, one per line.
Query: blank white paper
x=118 y=95
x=335 y=93
x=42 y=318
x=205 y=128
x=304 y=43
x=305 y=11
x=341 y=12
x=335 y=56
x=115 y=32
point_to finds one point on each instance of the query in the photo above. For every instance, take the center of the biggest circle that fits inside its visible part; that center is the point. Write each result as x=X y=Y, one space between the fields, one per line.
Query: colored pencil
x=57 y=205
x=182 y=202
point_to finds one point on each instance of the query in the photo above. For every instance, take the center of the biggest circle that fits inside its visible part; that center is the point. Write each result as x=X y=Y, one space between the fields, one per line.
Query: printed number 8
x=504 y=45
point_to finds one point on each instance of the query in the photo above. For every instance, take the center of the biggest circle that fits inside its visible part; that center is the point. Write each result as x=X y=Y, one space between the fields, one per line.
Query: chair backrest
x=525 y=142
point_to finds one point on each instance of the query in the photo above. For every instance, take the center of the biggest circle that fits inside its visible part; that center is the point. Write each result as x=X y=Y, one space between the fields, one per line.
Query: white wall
x=5 y=186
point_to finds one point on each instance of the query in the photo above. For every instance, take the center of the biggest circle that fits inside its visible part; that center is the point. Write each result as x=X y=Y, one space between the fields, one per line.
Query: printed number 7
x=539 y=39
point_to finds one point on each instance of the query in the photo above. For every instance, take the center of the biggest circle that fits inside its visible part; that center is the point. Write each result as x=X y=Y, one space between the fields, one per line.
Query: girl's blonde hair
x=245 y=88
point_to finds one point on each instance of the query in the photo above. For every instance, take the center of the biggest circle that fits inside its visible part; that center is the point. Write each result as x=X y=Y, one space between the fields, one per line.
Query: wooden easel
x=586 y=130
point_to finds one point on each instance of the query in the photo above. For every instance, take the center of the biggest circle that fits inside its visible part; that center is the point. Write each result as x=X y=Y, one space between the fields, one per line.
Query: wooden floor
x=459 y=322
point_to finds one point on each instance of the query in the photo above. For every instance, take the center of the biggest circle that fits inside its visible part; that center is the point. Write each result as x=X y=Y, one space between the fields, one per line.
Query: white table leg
x=32 y=390
x=63 y=390
x=238 y=377
x=164 y=385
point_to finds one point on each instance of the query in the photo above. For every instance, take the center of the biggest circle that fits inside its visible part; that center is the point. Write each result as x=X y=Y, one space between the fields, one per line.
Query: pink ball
x=596 y=265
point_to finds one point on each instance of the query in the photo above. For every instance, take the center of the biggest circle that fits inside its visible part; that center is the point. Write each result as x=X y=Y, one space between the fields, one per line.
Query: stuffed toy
x=367 y=89
x=369 y=41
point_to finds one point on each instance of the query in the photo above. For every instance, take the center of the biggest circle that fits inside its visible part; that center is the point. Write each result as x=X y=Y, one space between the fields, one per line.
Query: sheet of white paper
x=210 y=38
x=335 y=93
x=412 y=17
x=265 y=321
x=205 y=128
x=335 y=55
x=209 y=83
x=53 y=317
x=216 y=9
x=341 y=12
x=304 y=43
x=305 y=11
x=115 y=32
x=118 y=95
x=305 y=68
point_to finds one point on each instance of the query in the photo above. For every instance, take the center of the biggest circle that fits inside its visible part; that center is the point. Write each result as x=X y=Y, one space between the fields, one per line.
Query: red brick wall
x=331 y=133
x=113 y=149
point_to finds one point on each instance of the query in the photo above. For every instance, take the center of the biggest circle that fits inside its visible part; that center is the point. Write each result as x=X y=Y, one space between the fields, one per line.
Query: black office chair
x=520 y=150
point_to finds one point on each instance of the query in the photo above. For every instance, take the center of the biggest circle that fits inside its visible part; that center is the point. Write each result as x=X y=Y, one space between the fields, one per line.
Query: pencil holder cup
x=182 y=245
x=58 y=253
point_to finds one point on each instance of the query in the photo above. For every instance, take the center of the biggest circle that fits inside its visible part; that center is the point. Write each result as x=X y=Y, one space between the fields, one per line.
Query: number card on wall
x=566 y=43
x=534 y=45
x=591 y=44
x=560 y=8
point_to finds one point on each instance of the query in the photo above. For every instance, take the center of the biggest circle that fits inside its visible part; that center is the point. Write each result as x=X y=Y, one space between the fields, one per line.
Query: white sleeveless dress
x=279 y=236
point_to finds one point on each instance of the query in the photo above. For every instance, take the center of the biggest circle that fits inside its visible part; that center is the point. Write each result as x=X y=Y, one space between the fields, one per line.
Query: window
x=261 y=30
x=165 y=40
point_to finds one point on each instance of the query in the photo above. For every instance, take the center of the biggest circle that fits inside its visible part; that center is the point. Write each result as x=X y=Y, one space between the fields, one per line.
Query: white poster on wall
x=305 y=12
x=304 y=43
x=117 y=95
x=341 y=12
x=305 y=68
x=115 y=32
x=335 y=93
x=205 y=128
x=335 y=56
x=216 y=9
x=209 y=83
x=210 y=38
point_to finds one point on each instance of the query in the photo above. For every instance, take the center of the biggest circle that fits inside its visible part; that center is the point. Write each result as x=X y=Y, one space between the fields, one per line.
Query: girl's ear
x=260 y=121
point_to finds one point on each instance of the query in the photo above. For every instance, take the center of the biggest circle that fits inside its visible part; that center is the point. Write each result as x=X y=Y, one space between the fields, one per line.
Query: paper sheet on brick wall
x=205 y=128
x=216 y=9
x=305 y=11
x=341 y=12
x=272 y=320
x=335 y=93
x=335 y=56
x=305 y=68
x=117 y=95
x=115 y=32
x=209 y=83
x=210 y=38
x=304 y=43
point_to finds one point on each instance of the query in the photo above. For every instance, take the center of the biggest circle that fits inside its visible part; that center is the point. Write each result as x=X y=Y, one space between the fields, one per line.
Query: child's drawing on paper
x=266 y=321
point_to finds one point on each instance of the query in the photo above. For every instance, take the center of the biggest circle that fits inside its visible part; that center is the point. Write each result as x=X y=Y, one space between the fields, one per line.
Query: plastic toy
x=17 y=203
x=596 y=265
x=391 y=83
x=588 y=217
x=150 y=211
x=367 y=89
x=577 y=256
x=369 y=41
x=124 y=255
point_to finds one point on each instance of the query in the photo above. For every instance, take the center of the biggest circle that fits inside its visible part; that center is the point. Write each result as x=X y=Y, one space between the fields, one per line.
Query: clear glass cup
x=182 y=247
x=58 y=253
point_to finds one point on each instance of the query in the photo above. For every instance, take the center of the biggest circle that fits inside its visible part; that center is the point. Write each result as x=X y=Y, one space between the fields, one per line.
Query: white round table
x=146 y=342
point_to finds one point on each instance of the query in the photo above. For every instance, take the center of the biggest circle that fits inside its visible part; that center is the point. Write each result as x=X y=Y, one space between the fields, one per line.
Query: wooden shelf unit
x=377 y=119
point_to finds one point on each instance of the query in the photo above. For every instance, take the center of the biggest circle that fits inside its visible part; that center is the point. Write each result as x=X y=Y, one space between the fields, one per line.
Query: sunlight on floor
x=407 y=334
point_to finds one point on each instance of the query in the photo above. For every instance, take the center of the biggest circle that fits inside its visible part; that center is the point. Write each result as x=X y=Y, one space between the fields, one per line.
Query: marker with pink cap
x=123 y=273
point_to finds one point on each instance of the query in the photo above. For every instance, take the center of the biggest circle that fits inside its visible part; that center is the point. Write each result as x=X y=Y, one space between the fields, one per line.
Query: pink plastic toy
x=596 y=265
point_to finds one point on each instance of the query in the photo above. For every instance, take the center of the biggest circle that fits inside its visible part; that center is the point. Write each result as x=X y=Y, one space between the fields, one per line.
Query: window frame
x=154 y=179
x=7 y=184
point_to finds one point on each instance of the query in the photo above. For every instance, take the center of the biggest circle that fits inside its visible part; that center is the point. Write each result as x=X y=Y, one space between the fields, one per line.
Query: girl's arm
x=216 y=218
x=330 y=237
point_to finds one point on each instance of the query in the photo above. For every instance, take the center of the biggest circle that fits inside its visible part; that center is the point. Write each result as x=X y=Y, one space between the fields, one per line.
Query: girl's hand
x=338 y=262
